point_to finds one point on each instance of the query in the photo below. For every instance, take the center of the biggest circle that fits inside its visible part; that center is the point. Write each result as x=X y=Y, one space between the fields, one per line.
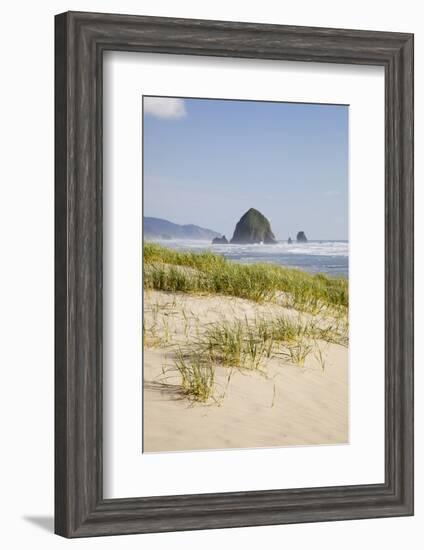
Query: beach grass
x=235 y=344
x=248 y=343
x=241 y=343
x=197 y=375
x=208 y=273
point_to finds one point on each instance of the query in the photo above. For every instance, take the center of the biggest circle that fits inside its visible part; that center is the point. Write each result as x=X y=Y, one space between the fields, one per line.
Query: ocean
x=329 y=257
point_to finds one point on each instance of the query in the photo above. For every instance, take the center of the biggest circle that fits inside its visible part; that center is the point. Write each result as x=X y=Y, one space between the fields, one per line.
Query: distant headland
x=158 y=228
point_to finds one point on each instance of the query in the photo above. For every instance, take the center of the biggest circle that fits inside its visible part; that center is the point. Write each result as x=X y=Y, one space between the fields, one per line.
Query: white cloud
x=165 y=107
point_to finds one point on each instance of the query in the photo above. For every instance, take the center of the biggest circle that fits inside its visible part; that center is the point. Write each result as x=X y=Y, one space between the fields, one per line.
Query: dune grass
x=247 y=345
x=169 y=270
x=236 y=344
x=197 y=376
x=241 y=344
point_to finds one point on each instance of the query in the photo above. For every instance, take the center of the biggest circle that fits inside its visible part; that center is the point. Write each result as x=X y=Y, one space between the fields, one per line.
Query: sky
x=207 y=161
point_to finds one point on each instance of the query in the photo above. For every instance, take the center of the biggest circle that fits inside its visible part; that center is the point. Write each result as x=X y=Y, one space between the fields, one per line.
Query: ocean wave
x=329 y=257
x=311 y=248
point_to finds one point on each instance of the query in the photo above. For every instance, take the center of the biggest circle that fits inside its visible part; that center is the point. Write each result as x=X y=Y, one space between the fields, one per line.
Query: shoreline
x=329 y=258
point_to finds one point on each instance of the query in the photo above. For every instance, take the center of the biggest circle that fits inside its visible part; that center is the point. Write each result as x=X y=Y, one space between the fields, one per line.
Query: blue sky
x=208 y=161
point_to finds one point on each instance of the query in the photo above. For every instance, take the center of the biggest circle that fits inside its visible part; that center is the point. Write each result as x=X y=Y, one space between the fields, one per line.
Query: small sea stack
x=220 y=240
x=289 y=240
x=301 y=237
x=253 y=227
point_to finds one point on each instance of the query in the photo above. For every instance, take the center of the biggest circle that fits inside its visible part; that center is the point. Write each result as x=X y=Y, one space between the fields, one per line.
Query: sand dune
x=285 y=404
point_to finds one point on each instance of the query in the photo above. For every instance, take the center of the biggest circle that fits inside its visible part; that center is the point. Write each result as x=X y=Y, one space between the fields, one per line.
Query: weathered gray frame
x=81 y=39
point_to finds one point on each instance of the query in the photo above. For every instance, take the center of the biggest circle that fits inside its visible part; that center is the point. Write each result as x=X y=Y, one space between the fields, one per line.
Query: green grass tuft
x=247 y=344
x=197 y=376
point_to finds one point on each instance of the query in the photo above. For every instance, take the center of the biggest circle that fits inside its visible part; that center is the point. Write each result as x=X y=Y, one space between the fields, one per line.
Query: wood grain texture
x=81 y=39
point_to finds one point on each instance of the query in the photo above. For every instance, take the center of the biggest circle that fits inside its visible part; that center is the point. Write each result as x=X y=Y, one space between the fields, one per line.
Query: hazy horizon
x=206 y=162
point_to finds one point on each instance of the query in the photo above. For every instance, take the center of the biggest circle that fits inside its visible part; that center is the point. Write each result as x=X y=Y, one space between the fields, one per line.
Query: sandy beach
x=284 y=401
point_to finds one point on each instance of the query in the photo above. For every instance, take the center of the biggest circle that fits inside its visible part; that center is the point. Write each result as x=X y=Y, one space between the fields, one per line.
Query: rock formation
x=301 y=237
x=253 y=227
x=289 y=241
x=220 y=240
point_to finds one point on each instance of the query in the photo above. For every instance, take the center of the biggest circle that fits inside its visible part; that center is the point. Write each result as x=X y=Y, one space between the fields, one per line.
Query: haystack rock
x=252 y=228
x=220 y=240
x=301 y=237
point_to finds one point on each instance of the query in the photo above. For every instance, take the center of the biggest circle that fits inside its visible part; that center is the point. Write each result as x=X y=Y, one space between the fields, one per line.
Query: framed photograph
x=234 y=274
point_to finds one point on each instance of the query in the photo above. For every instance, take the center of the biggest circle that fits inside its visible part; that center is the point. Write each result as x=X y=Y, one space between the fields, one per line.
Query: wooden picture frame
x=81 y=39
